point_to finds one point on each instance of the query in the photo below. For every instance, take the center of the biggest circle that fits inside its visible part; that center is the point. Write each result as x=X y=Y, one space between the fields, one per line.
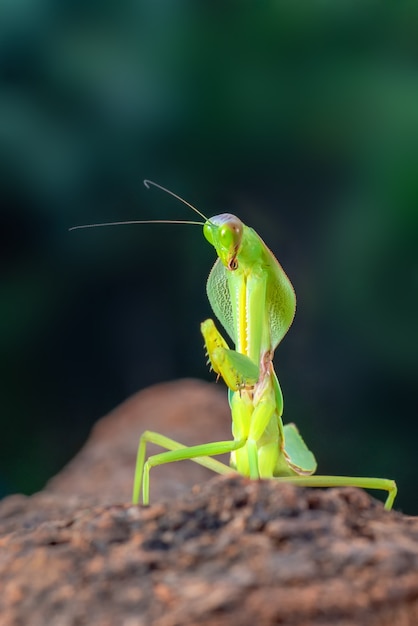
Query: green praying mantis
x=254 y=300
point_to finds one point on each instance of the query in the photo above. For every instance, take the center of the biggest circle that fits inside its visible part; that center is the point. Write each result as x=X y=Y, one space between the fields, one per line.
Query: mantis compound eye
x=208 y=232
x=230 y=233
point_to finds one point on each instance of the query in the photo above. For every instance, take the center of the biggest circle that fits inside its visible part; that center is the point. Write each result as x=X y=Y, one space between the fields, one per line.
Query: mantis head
x=225 y=232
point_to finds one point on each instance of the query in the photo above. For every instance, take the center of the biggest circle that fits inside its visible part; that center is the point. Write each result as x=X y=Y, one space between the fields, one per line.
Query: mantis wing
x=299 y=457
x=219 y=297
x=280 y=296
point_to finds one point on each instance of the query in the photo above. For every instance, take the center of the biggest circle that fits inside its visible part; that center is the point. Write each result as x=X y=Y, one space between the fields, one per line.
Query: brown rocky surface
x=229 y=551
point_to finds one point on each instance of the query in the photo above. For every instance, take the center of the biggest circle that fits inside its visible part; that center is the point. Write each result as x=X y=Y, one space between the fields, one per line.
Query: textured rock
x=231 y=551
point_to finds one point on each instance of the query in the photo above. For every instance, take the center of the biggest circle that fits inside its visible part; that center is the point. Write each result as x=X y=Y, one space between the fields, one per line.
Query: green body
x=254 y=300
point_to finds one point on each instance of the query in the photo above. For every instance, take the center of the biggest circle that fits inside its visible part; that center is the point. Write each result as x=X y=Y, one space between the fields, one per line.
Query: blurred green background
x=301 y=118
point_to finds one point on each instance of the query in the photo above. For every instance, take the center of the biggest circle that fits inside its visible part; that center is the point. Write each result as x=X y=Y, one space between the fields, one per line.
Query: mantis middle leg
x=176 y=451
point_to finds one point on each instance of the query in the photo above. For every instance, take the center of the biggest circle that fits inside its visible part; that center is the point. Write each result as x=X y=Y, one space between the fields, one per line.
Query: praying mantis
x=254 y=300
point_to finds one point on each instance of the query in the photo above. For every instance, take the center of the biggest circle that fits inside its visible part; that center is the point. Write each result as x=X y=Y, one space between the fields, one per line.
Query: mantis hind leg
x=382 y=484
x=175 y=451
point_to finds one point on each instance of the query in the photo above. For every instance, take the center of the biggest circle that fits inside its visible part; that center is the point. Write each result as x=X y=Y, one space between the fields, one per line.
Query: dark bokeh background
x=301 y=118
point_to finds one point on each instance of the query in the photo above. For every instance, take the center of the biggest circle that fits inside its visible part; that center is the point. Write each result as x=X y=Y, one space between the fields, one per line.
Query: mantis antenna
x=147 y=184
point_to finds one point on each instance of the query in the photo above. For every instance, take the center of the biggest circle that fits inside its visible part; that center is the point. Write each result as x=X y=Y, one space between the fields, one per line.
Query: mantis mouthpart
x=254 y=301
